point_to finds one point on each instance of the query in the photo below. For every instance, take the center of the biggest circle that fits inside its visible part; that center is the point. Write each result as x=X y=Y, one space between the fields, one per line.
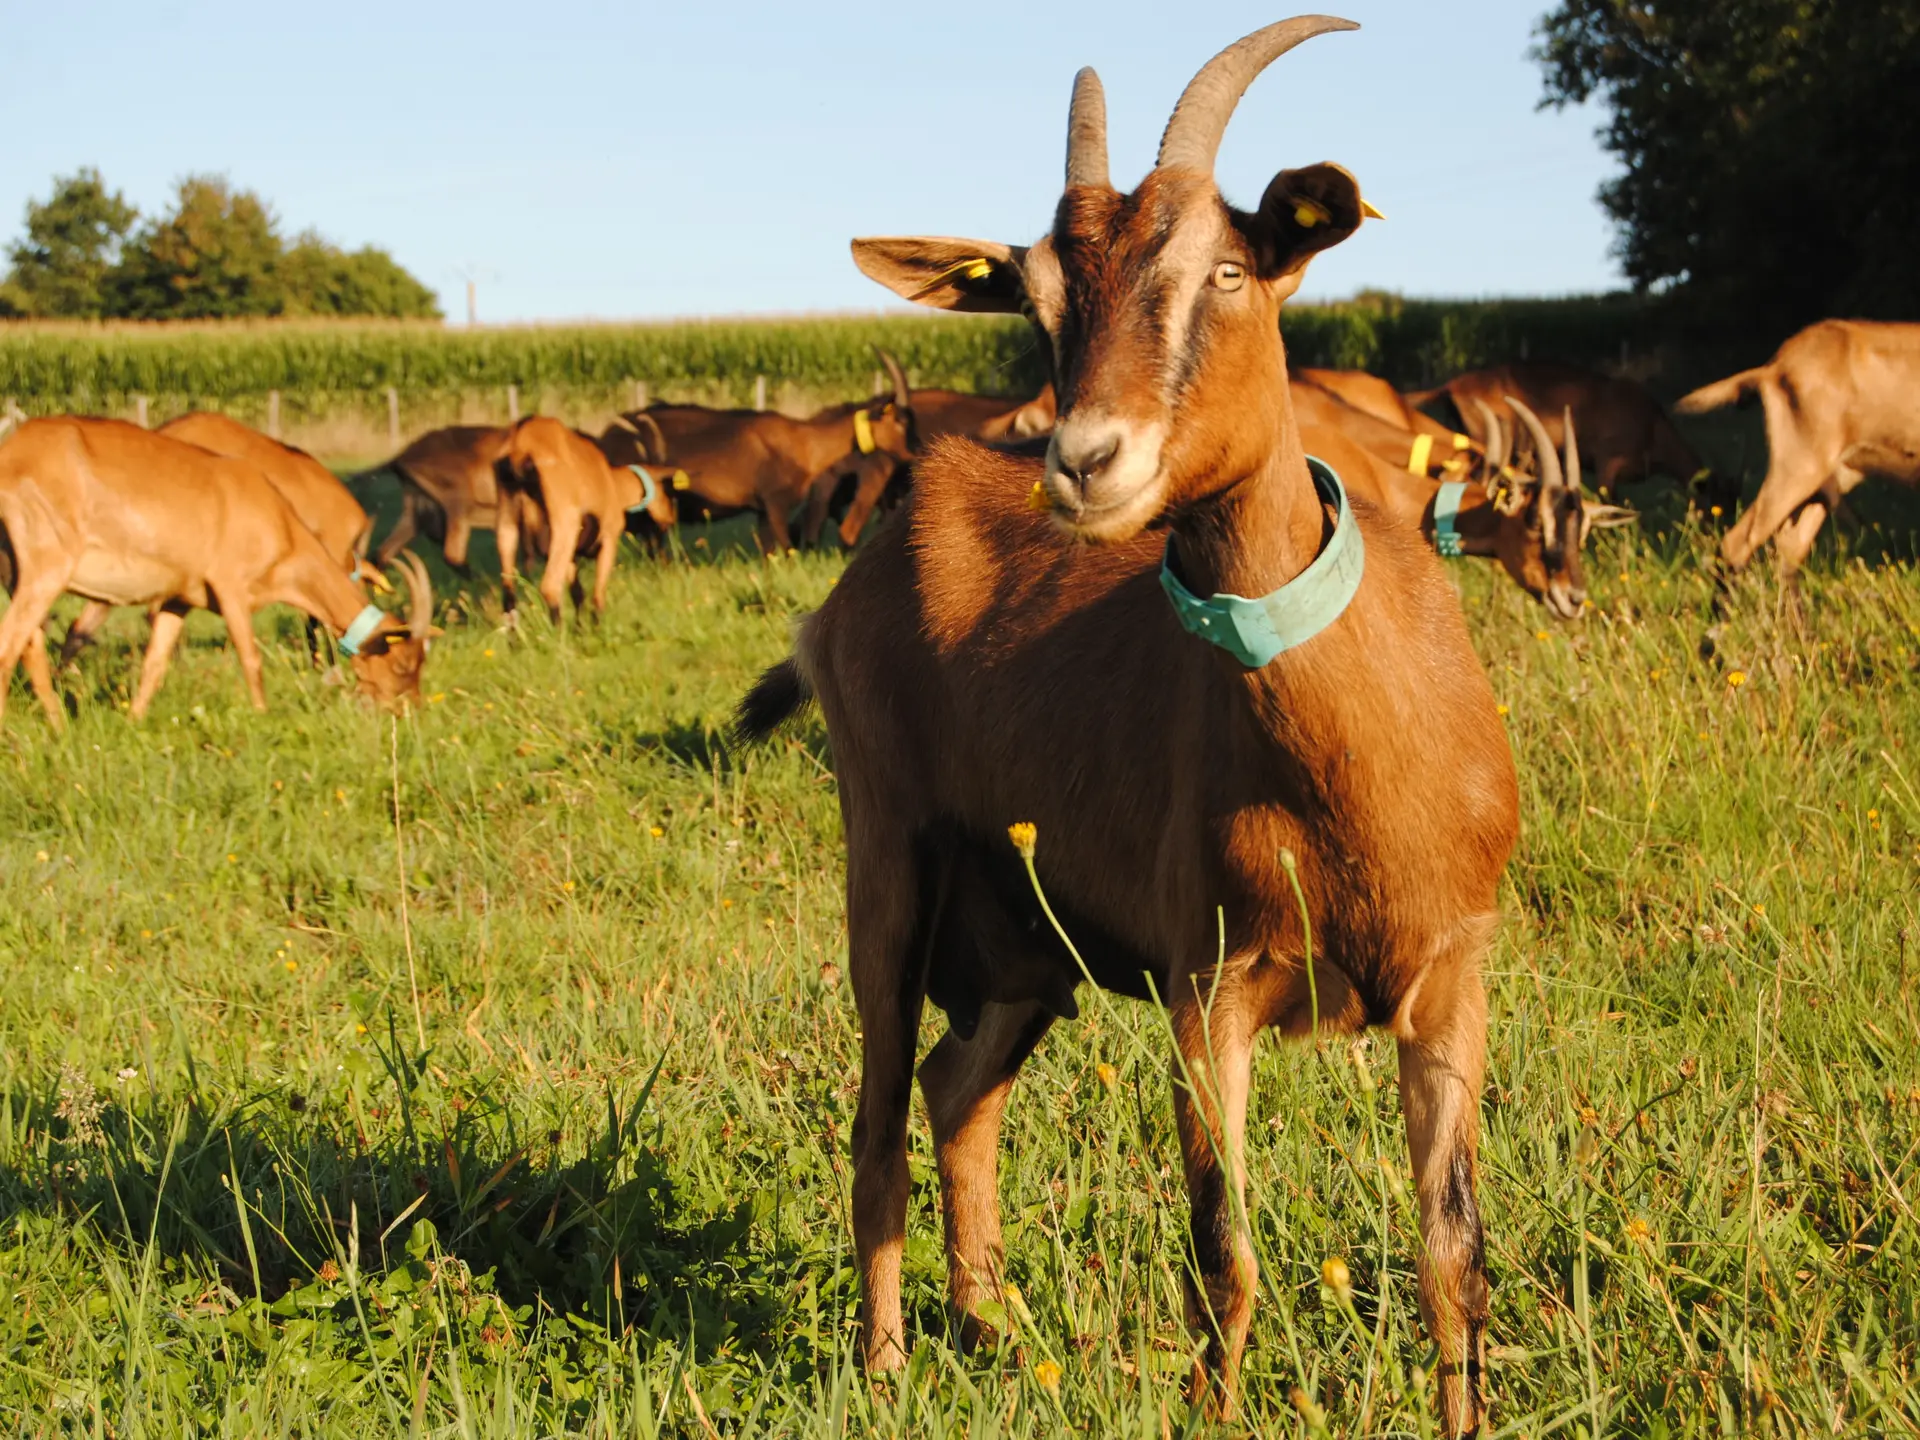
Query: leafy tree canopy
x=217 y=254
x=1771 y=150
x=72 y=243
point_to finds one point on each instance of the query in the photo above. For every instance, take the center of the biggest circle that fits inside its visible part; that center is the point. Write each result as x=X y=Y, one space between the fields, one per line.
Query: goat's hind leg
x=1442 y=1064
x=883 y=916
x=966 y=1083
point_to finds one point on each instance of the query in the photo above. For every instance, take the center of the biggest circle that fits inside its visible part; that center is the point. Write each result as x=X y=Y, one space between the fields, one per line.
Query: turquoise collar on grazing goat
x=648 y=488
x=1446 y=509
x=364 y=624
x=1254 y=631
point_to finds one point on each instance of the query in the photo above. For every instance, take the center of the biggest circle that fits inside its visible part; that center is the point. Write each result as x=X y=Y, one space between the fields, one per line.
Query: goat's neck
x=1260 y=531
x=310 y=581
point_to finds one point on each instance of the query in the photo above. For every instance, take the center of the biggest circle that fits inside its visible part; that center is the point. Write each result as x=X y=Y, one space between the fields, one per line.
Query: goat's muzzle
x=1103 y=475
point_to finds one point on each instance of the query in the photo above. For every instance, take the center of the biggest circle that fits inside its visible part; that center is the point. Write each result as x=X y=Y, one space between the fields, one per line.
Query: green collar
x=1254 y=631
x=1446 y=510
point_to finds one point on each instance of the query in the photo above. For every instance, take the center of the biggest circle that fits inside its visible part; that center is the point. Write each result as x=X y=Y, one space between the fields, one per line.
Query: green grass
x=608 y=1193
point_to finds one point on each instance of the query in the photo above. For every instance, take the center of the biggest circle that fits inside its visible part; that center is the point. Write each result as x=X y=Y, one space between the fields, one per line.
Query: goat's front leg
x=966 y=1083
x=882 y=905
x=1442 y=1064
x=1214 y=1035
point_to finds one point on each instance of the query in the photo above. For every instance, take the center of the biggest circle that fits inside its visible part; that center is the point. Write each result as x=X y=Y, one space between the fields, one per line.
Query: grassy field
x=490 y=1072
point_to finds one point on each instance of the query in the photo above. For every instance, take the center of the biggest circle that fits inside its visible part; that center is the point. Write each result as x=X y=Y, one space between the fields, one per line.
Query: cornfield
x=319 y=368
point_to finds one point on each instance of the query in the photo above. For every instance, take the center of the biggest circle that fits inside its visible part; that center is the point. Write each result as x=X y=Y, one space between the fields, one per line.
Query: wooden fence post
x=513 y=404
x=639 y=394
x=759 y=392
x=273 y=413
x=393 y=418
x=140 y=410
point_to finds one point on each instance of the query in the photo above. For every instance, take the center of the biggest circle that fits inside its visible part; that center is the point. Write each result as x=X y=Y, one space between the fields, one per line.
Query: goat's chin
x=1115 y=521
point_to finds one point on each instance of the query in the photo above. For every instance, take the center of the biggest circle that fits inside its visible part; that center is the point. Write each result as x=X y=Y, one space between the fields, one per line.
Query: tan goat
x=1840 y=406
x=563 y=482
x=123 y=516
x=1024 y=644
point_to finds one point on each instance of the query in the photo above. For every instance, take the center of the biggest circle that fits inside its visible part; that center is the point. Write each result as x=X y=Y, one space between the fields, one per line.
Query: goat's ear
x=948 y=274
x=1302 y=213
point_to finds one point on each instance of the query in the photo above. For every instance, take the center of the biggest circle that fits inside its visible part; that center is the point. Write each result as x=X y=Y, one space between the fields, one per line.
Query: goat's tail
x=1730 y=391
x=775 y=698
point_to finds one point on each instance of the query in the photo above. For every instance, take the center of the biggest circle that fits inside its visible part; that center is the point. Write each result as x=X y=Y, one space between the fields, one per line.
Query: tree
x=216 y=256
x=321 y=279
x=1771 y=150
x=72 y=244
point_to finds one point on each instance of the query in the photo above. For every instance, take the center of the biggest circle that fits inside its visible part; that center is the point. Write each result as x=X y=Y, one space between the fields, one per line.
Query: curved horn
x=902 y=392
x=1495 y=449
x=419 y=595
x=1192 y=137
x=1551 y=475
x=645 y=426
x=1572 y=448
x=1087 y=132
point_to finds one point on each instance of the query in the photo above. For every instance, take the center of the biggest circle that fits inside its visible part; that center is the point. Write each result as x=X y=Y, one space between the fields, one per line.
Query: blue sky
x=633 y=160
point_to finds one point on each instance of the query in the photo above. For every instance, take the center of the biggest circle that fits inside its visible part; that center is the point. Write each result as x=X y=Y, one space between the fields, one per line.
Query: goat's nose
x=1082 y=457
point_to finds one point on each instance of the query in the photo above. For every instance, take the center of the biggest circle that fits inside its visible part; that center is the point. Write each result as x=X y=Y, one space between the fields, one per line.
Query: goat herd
x=1218 y=695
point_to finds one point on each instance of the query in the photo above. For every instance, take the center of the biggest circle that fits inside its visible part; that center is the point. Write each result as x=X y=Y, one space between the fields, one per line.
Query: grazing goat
x=878 y=478
x=125 y=516
x=1628 y=436
x=739 y=460
x=1534 y=525
x=446 y=486
x=1301 y=824
x=564 y=482
x=324 y=505
x=1839 y=399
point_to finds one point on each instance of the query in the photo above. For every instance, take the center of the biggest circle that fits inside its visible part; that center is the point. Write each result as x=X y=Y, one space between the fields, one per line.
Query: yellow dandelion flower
x=486 y=654
x=656 y=832
x=1337 y=1278
x=1504 y=710
x=726 y=904
x=1715 y=512
x=146 y=934
x=567 y=886
x=1639 y=1231
x=1024 y=836
x=1873 y=814
x=232 y=859
x=1109 y=1076
x=1048 y=1374
x=1736 y=678
x=1759 y=909
x=359 y=1029
x=435 y=699
x=292 y=965
x=1542 y=635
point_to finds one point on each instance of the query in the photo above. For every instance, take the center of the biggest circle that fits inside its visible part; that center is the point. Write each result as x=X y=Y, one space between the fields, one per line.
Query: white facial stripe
x=1186 y=261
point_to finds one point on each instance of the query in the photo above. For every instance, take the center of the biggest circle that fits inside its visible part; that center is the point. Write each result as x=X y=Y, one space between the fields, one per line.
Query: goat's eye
x=1229 y=275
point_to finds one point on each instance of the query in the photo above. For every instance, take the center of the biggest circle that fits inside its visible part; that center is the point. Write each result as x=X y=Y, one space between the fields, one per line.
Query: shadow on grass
x=609 y=1237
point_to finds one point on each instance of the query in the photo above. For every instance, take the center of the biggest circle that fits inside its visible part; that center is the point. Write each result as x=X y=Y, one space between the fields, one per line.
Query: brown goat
x=982 y=663
x=1373 y=396
x=740 y=460
x=1839 y=402
x=324 y=505
x=564 y=481
x=878 y=478
x=1628 y=436
x=446 y=484
x=1534 y=525
x=123 y=516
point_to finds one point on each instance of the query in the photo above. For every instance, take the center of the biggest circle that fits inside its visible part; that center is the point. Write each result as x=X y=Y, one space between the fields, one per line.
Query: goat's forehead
x=1165 y=227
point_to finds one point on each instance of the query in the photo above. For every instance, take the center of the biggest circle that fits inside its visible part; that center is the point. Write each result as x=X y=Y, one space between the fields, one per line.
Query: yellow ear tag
x=1037 y=500
x=1461 y=442
x=979 y=269
x=1371 y=211
x=1418 y=456
x=682 y=480
x=863 y=432
x=1309 y=213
